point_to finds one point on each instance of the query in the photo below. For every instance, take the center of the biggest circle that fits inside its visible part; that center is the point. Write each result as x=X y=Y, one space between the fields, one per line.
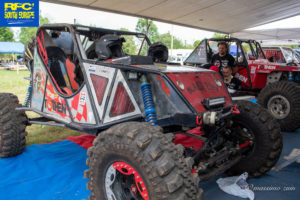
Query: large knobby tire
x=161 y=165
x=267 y=140
x=12 y=126
x=283 y=96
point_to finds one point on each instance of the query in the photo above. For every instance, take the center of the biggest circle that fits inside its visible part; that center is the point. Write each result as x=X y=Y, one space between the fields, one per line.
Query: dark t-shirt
x=224 y=61
x=234 y=84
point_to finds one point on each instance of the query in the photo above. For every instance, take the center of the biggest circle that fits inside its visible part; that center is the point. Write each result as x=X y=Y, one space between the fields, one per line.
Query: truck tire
x=12 y=126
x=282 y=99
x=141 y=149
x=267 y=140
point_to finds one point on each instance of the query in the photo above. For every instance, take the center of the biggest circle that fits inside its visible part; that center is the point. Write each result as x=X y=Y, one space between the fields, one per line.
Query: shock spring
x=148 y=103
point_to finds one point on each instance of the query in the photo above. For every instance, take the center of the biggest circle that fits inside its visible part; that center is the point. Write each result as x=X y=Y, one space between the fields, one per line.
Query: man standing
x=223 y=58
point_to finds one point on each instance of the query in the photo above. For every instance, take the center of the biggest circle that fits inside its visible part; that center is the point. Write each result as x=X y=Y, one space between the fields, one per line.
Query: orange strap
x=70 y=70
x=68 y=91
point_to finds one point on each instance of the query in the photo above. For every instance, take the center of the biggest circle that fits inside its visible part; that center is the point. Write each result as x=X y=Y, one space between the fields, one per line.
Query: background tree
x=166 y=39
x=219 y=35
x=129 y=47
x=196 y=43
x=141 y=27
x=28 y=32
x=188 y=46
x=6 y=34
x=153 y=34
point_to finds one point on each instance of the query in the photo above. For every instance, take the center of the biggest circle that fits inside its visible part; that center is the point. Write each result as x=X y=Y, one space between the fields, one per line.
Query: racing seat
x=62 y=70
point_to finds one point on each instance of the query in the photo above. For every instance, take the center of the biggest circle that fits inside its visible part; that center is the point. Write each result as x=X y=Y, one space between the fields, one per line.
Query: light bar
x=213 y=102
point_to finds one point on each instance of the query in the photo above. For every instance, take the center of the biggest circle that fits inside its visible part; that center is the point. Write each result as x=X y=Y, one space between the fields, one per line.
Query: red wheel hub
x=127 y=169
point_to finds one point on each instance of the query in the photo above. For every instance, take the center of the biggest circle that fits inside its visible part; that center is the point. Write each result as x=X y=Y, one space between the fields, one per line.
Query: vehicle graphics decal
x=164 y=86
x=270 y=67
x=39 y=80
x=241 y=77
x=80 y=107
x=55 y=104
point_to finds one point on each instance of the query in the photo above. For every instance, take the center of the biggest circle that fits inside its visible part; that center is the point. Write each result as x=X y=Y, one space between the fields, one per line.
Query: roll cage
x=203 y=52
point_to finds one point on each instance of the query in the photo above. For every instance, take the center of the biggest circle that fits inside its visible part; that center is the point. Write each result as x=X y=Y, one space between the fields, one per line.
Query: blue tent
x=233 y=50
x=11 y=47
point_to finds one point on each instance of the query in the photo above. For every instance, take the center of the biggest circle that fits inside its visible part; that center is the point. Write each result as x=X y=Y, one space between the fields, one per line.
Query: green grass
x=14 y=82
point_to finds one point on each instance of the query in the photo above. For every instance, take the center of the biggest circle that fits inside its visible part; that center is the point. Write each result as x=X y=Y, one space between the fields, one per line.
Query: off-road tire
x=166 y=173
x=267 y=140
x=289 y=90
x=12 y=126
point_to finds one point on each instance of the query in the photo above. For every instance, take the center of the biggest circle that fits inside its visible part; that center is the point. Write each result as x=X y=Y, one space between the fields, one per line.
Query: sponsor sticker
x=241 y=77
x=92 y=68
x=270 y=67
x=18 y=13
x=252 y=70
x=82 y=98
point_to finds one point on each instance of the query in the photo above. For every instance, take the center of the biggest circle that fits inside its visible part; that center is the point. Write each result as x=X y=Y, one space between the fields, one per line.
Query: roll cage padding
x=40 y=40
x=71 y=73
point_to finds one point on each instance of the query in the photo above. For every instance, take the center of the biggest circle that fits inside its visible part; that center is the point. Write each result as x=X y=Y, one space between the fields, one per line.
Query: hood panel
x=196 y=86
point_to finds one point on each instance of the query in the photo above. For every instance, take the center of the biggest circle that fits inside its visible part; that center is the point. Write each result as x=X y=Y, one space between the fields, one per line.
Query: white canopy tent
x=279 y=42
x=270 y=34
x=224 y=16
x=278 y=36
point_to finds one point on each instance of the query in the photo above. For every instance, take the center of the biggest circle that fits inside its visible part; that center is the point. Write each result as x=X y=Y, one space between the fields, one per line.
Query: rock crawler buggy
x=276 y=85
x=160 y=128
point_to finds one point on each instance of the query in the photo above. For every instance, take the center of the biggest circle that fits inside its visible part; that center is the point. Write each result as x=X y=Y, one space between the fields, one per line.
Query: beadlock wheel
x=136 y=161
x=282 y=99
x=279 y=106
x=122 y=181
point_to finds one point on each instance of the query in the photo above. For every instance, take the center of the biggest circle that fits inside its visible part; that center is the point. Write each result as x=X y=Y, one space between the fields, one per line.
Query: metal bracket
x=46 y=123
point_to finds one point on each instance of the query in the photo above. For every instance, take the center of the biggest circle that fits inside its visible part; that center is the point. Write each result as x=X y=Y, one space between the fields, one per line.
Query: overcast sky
x=66 y=14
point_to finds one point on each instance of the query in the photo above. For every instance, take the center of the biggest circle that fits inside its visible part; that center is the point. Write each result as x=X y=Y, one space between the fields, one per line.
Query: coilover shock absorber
x=290 y=76
x=28 y=95
x=148 y=101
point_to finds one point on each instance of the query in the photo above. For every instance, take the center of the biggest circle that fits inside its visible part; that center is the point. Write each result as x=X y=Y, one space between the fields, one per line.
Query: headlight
x=213 y=102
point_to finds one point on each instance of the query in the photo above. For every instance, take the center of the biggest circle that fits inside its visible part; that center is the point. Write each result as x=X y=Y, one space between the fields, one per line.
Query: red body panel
x=100 y=84
x=243 y=76
x=79 y=106
x=122 y=103
x=260 y=68
x=200 y=85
